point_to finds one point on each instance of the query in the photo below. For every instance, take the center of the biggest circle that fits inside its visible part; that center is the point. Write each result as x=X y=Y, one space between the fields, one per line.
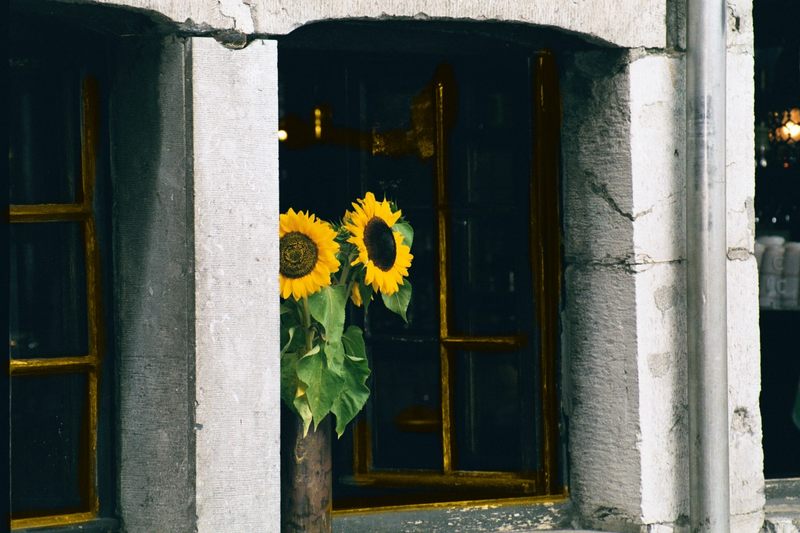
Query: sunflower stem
x=345 y=272
x=347 y=267
x=307 y=325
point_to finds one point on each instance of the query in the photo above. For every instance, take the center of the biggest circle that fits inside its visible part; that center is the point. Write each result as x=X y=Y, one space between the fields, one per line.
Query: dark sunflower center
x=298 y=255
x=379 y=240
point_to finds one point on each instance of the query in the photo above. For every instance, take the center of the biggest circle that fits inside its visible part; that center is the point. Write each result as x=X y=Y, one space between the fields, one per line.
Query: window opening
x=777 y=226
x=463 y=402
x=56 y=344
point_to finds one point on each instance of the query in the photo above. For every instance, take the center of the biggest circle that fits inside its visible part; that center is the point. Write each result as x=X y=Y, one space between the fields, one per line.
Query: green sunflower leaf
x=291 y=331
x=406 y=231
x=353 y=340
x=292 y=339
x=322 y=385
x=354 y=393
x=398 y=302
x=334 y=353
x=327 y=308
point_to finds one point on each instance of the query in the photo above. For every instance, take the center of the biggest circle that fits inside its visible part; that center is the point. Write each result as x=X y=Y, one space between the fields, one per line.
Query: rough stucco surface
x=636 y=23
x=153 y=271
x=625 y=320
x=235 y=120
x=600 y=315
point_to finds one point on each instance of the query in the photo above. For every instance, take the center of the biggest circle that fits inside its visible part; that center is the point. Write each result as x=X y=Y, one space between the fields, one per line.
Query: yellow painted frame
x=83 y=212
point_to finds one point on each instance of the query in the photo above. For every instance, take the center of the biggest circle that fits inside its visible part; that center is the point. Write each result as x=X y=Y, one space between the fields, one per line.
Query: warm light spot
x=317 y=123
x=282 y=135
x=792 y=130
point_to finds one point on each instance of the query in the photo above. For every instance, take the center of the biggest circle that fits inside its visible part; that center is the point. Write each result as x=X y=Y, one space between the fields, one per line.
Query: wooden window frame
x=545 y=259
x=81 y=211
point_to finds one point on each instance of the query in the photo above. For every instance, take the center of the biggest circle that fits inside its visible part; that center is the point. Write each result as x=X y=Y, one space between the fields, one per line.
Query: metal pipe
x=706 y=266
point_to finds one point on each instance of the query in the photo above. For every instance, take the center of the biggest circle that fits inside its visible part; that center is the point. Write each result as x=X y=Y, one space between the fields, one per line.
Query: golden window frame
x=81 y=211
x=546 y=270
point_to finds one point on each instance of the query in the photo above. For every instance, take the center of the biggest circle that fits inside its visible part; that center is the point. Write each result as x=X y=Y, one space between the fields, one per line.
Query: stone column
x=625 y=317
x=235 y=162
x=195 y=179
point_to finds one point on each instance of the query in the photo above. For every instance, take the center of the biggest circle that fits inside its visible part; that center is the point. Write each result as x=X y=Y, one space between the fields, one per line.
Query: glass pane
x=44 y=149
x=49 y=445
x=490 y=273
x=404 y=408
x=47 y=305
x=493 y=412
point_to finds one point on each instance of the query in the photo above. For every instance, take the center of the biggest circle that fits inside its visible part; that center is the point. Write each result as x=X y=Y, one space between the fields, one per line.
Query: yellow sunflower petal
x=388 y=278
x=307 y=259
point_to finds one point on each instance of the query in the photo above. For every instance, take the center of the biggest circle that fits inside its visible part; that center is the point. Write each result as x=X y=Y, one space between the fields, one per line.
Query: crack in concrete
x=601 y=190
x=633 y=264
x=243 y=25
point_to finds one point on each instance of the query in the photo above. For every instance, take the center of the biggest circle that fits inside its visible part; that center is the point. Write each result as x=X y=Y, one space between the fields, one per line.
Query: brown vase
x=306 y=476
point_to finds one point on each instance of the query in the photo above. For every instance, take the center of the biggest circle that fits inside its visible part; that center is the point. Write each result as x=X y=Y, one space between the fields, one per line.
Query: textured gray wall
x=154 y=285
x=600 y=316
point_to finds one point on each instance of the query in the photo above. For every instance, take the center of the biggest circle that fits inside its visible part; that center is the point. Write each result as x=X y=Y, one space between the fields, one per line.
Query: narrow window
x=56 y=322
x=462 y=132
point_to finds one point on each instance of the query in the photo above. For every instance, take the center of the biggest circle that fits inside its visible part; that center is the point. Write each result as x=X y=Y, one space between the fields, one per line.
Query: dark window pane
x=47 y=305
x=49 y=445
x=490 y=272
x=493 y=422
x=405 y=411
x=44 y=147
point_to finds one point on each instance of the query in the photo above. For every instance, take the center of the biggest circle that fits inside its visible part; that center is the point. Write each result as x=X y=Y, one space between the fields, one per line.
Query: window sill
x=98 y=525
x=515 y=514
x=782 y=510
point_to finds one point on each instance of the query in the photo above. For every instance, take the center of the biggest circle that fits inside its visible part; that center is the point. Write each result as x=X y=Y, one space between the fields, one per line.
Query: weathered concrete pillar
x=154 y=284
x=196 y=209
x=625 y=320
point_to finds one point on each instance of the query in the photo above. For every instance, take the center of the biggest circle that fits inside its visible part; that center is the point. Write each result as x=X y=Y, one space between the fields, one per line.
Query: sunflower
x=308 y=254
x=380 y=249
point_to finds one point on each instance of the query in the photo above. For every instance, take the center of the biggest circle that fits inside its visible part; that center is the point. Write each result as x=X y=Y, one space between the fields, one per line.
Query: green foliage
x=327 y=308
x=324 y=367
x=354 y=393
x=322 y=385
x=398 y=302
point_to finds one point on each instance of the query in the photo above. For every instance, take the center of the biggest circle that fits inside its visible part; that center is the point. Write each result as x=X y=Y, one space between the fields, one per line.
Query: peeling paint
x=739 y=254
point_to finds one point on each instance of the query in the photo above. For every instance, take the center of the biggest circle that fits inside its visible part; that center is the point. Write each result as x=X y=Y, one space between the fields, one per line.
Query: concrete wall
x=633 y=23
x=154 y=280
